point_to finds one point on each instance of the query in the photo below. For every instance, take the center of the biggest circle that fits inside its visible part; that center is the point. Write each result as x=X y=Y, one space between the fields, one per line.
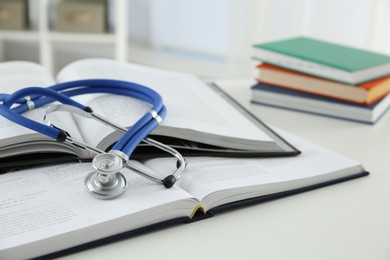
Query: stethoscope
x=106 y=181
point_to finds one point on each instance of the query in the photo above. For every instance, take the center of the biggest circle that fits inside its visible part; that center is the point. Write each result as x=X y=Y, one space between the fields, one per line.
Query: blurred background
x=212 y=39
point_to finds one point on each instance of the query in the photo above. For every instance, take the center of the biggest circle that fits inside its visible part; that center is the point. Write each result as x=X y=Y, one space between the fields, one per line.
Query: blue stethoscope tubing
x=62 y=92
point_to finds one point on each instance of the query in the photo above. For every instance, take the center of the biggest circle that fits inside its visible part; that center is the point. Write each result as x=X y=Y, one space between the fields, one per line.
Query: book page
x=16 y=75
x=190 y=103
x=50 y=206
x=217 y=181
x=19 y=74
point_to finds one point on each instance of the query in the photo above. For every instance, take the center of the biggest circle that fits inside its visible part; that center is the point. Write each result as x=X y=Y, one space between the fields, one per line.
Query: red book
x=365 y=93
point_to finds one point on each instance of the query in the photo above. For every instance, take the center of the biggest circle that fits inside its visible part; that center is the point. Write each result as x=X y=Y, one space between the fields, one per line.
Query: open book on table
x=201 y=119
x=46 y=211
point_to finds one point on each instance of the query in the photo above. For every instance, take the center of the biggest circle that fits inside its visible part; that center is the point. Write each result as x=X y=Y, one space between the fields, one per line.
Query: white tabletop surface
x=350 y=220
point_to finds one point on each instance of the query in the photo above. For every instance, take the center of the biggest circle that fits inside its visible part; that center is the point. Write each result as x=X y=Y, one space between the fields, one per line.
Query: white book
x=47 y=212
x=201 y=118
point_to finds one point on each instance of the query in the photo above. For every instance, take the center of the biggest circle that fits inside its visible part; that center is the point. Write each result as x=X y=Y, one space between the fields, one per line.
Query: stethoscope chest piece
x=106 y=182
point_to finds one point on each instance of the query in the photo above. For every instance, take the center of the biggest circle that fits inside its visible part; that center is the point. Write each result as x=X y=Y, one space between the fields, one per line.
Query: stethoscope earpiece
x=169 y=181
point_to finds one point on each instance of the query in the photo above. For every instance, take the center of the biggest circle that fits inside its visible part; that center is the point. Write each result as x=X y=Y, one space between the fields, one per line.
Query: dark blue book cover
x=286 y=91
x=306 y=102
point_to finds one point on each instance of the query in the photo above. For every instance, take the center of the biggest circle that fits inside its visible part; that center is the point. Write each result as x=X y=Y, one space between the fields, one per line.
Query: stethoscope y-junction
x=106 y=181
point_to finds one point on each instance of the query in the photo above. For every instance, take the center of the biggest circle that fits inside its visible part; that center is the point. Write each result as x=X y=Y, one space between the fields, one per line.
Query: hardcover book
x=47 y=212
x=365 y=93
x=201 y=119
x=324 y=59
x=270 y=95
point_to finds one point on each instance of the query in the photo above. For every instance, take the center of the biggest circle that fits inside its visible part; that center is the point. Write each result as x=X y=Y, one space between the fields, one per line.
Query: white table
x=350 y=220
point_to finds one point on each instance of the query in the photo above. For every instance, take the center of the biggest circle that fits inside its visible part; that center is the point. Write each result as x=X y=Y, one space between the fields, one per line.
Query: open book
x=46 y=211
x=201 y=119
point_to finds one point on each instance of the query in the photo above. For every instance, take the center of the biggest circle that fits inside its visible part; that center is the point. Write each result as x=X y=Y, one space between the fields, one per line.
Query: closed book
x=270 y=95
x=324 y=59
x=365 y=93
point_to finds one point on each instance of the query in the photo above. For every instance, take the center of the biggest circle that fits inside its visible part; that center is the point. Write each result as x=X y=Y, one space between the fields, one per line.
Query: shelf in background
x=81 y=37
x=19 y=35
x=46 y=38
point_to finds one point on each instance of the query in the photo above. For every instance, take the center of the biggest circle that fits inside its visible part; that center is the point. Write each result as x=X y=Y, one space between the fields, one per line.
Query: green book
x=324 y=59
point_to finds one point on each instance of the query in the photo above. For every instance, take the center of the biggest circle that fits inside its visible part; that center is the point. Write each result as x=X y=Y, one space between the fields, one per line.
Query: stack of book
x=323 y=78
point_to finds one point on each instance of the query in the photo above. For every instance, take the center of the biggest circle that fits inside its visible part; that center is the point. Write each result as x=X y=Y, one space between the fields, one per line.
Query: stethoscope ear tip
x=169 y=181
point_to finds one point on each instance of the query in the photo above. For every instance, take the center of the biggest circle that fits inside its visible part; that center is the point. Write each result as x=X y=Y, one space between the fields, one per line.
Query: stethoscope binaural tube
x=42 y=96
